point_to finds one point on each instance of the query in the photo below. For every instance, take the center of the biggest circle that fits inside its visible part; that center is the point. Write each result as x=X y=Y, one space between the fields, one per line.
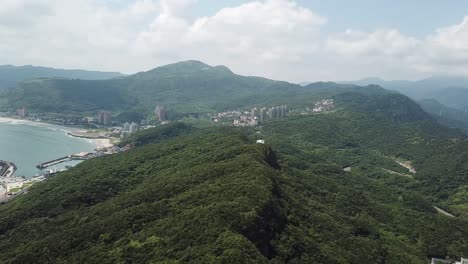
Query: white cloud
x=246 y=37
x=273 y=38
x=383 y=42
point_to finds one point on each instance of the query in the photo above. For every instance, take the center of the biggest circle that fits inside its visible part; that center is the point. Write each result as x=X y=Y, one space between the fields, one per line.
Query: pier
x=78 y=156
x=53 y=162
x=7 y=169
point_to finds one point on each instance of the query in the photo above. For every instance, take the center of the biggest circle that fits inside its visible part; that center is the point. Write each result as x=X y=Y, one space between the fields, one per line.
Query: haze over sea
x=28 y=144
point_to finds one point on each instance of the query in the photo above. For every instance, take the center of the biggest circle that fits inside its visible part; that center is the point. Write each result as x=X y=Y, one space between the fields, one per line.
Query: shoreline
x=69 y=131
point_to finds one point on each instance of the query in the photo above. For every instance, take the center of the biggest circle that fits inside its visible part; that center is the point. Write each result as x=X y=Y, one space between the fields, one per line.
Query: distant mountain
x=450 y=91
x=12 y=75
x=189 y=86
x=448 y=116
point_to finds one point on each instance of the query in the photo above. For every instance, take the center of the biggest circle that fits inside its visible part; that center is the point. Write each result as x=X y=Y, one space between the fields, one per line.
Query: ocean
x=28 y=144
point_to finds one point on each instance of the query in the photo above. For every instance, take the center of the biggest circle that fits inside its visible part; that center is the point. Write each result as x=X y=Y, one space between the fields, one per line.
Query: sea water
x=28 y=144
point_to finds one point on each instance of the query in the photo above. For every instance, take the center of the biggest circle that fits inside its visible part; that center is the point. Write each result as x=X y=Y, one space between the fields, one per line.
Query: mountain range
x=11 y=75
x=362 y=182
x=195 y=87
x=450 y=91
x=189 y=86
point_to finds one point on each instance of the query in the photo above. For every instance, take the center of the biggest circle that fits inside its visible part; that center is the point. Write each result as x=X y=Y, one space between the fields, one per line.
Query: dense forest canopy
x=212 y=195
x=186 y=87
x=11 y=75
x=361 y=182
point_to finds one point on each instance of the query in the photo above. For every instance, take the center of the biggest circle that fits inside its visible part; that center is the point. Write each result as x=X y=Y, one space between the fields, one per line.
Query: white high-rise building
x=126 y=127
x=133 y=127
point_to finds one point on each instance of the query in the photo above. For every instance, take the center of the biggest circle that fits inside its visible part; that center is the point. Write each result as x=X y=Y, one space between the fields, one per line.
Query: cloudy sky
x=302 y=40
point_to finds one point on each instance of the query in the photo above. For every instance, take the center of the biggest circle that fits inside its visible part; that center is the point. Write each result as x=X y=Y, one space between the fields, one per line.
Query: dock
x=78 y=156
x=7 y=169
x=53 y=162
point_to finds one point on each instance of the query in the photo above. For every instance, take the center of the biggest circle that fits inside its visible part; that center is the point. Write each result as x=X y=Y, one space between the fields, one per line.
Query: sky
x=292 y=40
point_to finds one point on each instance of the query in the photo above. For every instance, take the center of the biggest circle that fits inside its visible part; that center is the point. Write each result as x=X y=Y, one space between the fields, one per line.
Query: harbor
x=7 y=169
x=78 y=156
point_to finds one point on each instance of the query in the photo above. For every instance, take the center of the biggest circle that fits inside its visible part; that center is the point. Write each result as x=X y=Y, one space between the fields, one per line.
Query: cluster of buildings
x=224 y=115
x=245 y=120
x=129 y=128
x=323 y=106
x=10 y=184
x=258 y=115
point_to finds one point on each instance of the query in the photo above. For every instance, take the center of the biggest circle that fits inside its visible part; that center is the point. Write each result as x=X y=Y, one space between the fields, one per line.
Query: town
x=106 y=126
x=103 y=126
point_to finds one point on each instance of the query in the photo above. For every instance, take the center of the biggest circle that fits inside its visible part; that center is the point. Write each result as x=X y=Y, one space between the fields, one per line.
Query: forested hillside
x=184 y=87
x=11 y=75
x=450 y=117
x=325 y=188
x=451 y=91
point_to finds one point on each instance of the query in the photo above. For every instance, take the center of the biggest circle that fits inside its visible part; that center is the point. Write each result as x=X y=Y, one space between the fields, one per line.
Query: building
x=262 y=114
x=253 y=121
x=283 y=111
x=133 y=127
x=105 y=118
x=22 y=112
x=160 y=113
x=254 y=113
x=271 y=113
x=126 y=127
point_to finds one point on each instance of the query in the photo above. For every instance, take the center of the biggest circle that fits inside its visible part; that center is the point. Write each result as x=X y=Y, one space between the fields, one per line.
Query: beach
x=70 y=131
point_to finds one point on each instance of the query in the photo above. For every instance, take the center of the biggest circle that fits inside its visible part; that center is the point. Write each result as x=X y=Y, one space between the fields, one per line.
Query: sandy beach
x=102 y=142
x=99 y=142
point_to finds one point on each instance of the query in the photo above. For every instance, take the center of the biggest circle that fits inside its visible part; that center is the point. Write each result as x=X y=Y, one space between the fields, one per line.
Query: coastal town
x=106 y=133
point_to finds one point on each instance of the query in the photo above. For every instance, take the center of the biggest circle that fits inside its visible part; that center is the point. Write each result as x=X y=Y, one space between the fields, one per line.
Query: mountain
x=10 y=75
x=450 y=117
x=325 y=188
x=186 y=87
x=450 y=91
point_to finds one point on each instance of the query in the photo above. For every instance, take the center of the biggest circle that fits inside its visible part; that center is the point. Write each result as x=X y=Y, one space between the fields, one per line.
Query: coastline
x=70 y=131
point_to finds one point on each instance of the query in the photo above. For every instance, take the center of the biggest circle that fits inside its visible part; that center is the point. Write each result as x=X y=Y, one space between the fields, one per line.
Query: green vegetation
x=10 y=75
x=188 y=193
x=211 y=195
x=445 y=115
x=184 y=88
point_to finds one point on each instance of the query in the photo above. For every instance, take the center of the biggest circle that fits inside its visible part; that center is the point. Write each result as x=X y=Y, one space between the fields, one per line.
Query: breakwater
x=7 y=169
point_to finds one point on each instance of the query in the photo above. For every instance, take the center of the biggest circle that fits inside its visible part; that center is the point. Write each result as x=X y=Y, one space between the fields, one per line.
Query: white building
x=126 y=127
x=133 y=127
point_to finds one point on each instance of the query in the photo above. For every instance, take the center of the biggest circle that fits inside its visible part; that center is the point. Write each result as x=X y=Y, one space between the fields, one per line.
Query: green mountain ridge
x=190 y=195
x=11 y=75
x=446 y=115
x=185 y=87
x=451 y=91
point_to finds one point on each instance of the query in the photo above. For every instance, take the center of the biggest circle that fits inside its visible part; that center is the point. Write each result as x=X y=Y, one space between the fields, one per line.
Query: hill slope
x=188 y=87
x=450 y=91
x=10 y=75
x=187 y=195
x=448 y=116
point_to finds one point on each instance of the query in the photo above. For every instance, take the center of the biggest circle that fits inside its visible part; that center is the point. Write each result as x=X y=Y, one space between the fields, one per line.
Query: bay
x=28 y=144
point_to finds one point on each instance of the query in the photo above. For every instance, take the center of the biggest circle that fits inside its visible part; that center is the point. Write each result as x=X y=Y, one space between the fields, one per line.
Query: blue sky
x=293 y=40
x=416 y=17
